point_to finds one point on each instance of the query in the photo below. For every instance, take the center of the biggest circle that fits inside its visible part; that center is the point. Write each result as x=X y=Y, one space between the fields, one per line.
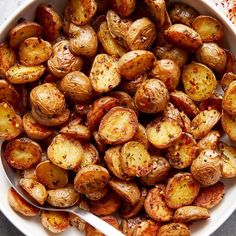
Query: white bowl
x=32 y=226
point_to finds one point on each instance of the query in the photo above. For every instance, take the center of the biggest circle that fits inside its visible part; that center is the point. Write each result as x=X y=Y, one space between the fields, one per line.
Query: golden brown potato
x=227 y=79
x=228 y=160
x=155 y=205
x=147 y=97
x=77 y=222
x=206 y=168
x=50 y=175
x=147 y=228
x=35 y=189
x=183 y=36
x=229 y=99
x=30 y=173
x=209 y=141
x=162 y=133
x=213 y=102
x=135 y=63
x=128 y=225
x=34 y=51
x=209 y=28
x=91 y=178
x=22 y=31
x=203 y=123
x=228 y=123
x=135 y=159
x=141 y=34
x=54 y=221
x=83 y=40
x=174 y=229
x=95 y=196
x=181 y=190
x=118 y=126
x=186 y=122
x=63 y=61
x=182 y=153
x=199 y=81
x=123 y=7
x=141 y=136
x=230 y=63
x=23 y=153
x=211 y=196
x=100 y=145
x=19 y=204
x=65 y=152
x=104 y=74
x=20 y=74
x=11 y=123
x=173 y=113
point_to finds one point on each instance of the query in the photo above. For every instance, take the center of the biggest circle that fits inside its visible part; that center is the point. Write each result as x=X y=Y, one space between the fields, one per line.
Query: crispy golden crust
x=123 y=7
x=174 y=229
x=147 y=228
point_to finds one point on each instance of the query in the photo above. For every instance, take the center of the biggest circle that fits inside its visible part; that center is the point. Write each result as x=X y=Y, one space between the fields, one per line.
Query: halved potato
x=229 y=99
x=100 y=145
x=203 y=123
x=11 y=123
x=104 y=73
x=141 y=136
x=23 y=153
x=123 y=7
x=186 y=122
x=147 y=228
x=181 y=190
x=22 y=31
x=95 y=196
x=51 y=176
x=209 y=141
x=163 y=132
x=54 y=221
x=182 y=153
x=77 y=222
x=127 y=190
x=199 y=81
x=135 y=159
x=35 y=189
x=228 y=123
x=173 y=113
x=227 y=78
x=209 y=28
x=230 y=63
x=128 y=225
x=65 y=152
x=118 y=126
x=155 y=205
x=213 y=102
x=210 y=196
x=174 y=229
x=20 y=74
x=19 y=204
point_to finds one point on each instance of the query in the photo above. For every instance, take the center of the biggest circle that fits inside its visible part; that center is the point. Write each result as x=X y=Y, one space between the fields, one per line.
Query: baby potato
x=135 y=63
x=91 y=178
x=203 y=123
x=227 y=79
x=184 y=37
x=181 y=190
x=50 y=175
x=147 y=97
x=182 y=13
x=34 y=51
x=18 y=204
x=213 y=102
x=77 y=222
x=11 y=123
x=168 y=72
x=7 y=58
x=147 y=228
x=182 y=153
x=95 y=196
x=141 y=136
x=63 y=197
x=20 y=74
x=141 y=34
x=212 y=56
x=65 y=152
x=230 y=63
x=83 y=40
x=206 y=168
x=186 y=122
x=100 y=145
x=209 y=28
x=30 y=173
x=174 y=229
x=160 y=170
x=128 y=225
x=209 y=141
x=163 y=132
x=199 y=81
x=104 y=73
x=156 y=207
x=211 y=196
x=190 y=213
x=123 y=7
x=135 y=159
x=118 y=126
x=127 y=190
x=173 y=113
x=23 y=153
x=229 y=99
x=22 y=31
x=35 y=189
x=55 y=221
x=63 y=61
x=228 y=123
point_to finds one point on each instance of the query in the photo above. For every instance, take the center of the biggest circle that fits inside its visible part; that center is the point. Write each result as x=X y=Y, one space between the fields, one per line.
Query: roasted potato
x=95 y=196
x=181 y=190
x=141 y=136
x=100 y=145
x=77 y=222
x=128 y=225
x=206 y=168
x=230 y=63
x=173 y=113
x=227 y=79
x=147 y=228
x=209 y=141
x=186 y=122
x=30 y=173
x=228 y=123
x=174 y=229
x=213 y=102
x=123 y=7
x=229 y=99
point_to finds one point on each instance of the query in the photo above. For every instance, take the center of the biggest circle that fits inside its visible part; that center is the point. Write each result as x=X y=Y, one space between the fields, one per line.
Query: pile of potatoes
x=112 y=106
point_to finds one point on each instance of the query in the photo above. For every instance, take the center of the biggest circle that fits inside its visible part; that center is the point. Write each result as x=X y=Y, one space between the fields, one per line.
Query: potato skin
x=229 y=103
x=209 y=141
x=226 y=79
x=123 y=7
x=147 y=228
x=174 y=229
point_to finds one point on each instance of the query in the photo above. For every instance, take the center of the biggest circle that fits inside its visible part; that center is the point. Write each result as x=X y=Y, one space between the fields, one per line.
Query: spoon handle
x=97 y=223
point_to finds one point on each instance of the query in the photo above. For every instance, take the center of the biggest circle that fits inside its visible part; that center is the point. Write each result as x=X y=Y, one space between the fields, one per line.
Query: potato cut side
x=229 y=99
x=51 y=176
x=141 y=136
x=100 y=145
x=181 y=190
x=227 y=79
x=163 y=132
x=199 y=81
x=228 y=123
x=119 y=125
x=95 y=196
x=209 y=141
x=174 y=229
x=186 y=122
x=123 y=7
x=173 y=113
x=147 y=228
x=65 y=152
x=30 y=173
